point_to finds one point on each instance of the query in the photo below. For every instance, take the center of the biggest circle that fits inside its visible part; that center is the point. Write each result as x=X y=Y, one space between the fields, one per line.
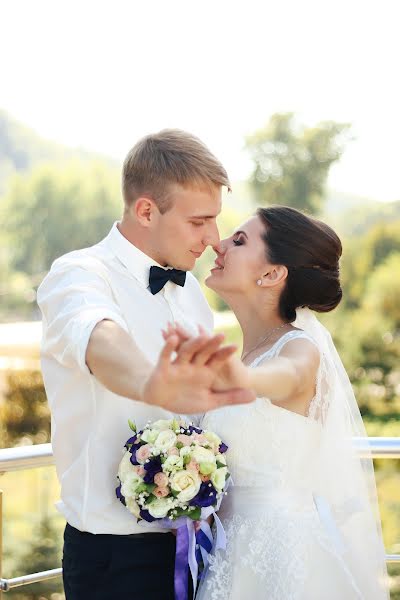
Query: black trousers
x=118 y=567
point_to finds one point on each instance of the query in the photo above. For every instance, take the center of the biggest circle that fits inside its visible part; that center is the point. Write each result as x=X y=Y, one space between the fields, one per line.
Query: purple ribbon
x=188 y=556
x=181 y=563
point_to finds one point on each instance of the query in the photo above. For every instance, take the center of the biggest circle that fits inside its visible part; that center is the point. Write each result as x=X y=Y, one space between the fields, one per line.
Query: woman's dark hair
x=310 y=250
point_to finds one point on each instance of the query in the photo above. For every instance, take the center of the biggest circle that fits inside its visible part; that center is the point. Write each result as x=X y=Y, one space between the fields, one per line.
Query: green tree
x=56 y=209
x=291 y=164
x=368 y=339
x=362 y=254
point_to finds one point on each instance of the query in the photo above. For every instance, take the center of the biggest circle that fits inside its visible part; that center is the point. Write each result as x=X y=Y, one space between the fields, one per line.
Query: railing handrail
x=26 y=457
x=8 y=584
x=41 y=455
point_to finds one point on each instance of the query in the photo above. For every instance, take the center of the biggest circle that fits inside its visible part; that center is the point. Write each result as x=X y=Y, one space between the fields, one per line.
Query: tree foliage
x=56 y=209
x=291 y=164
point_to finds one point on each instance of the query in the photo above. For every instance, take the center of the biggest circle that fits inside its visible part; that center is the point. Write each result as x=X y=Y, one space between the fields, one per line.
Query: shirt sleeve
x=73 y=299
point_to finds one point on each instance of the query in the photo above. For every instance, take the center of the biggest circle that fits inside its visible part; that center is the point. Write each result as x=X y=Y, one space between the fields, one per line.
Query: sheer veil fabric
x=302 y=517
x=344 y=488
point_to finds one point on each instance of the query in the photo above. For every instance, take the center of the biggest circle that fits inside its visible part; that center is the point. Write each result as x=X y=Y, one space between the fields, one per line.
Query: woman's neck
x=255 y=321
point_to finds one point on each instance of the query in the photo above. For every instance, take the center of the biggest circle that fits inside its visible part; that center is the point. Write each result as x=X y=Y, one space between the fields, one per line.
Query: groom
x=104 y=309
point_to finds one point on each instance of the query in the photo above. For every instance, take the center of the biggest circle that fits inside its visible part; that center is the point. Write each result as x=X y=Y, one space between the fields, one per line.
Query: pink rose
x=161 y=492
x=143 y=453
x=184 y=439
x=173 y=451
x=199 y=437
x=139 y=470
x=193 y=466
x=161 y=480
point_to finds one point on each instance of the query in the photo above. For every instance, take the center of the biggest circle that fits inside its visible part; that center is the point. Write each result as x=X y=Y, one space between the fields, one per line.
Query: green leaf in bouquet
x=220 y=465
x=195 y=514
x=179 y=445
x=150 y=487
x=132 y=425
x=140 y=488
x=150 y=499
x=175 y=493
x=181 y=512
x=145 y=487
x=187 y=459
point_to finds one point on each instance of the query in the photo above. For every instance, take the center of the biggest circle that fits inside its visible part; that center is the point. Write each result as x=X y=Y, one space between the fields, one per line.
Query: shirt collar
x=137 y=262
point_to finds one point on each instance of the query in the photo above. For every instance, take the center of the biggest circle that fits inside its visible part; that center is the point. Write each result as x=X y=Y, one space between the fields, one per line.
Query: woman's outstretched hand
x=188 y=382
x=230 y=372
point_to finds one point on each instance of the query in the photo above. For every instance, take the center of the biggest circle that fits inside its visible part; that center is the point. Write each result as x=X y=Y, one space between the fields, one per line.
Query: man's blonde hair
x=169 y=157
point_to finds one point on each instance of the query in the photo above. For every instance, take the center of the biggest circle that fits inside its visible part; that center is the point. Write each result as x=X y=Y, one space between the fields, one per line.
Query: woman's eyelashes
x=238 y=241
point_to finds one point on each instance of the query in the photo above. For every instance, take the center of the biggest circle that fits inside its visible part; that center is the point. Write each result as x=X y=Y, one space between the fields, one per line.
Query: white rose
x=165 y=440
x=218 y=478
x=133 y=507
x=185 y=451
x=173 y=463
x=221 y=458
x=130 y=483
x=159 y=508
x=187 y=483
x=212 y=438
x=202 y=455
x=125 y=466
x=149 y=435
x=206 y=468
x=162 y=424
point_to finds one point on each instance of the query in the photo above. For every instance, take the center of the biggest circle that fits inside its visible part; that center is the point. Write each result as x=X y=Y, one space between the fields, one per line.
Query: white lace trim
x=319 y=404
x=263 y=552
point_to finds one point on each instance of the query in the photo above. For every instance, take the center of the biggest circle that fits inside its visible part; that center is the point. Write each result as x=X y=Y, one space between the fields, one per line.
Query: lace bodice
x=285 y=536
x=269 y=446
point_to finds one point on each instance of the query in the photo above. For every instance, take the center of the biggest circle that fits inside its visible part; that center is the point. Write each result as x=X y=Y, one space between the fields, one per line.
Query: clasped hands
x=197 y=374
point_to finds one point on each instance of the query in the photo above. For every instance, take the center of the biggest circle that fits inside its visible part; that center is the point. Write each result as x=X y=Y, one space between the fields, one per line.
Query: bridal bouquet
x=174 y=473
x=171 y=470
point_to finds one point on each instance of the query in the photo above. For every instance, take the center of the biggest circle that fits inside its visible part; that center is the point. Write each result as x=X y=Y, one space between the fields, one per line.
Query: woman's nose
x=220 y=248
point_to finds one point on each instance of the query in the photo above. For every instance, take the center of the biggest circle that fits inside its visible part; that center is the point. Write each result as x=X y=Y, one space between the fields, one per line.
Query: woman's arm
x=290 y=374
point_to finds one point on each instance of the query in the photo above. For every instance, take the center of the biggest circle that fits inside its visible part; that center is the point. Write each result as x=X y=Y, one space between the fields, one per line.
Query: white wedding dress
x=282 y=540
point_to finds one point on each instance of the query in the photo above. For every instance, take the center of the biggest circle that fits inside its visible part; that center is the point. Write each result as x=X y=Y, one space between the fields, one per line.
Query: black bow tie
x=159 y=277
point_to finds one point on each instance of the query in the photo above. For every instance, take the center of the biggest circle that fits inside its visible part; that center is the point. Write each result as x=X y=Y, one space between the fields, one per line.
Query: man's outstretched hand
x=188 y=383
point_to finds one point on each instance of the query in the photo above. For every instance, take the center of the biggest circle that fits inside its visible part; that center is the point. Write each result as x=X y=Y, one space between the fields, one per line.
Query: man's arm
x=181 y=384
x=115 y=360
x=83 y=329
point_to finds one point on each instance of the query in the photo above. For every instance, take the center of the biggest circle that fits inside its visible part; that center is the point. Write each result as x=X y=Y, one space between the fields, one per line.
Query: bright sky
x=99 y=74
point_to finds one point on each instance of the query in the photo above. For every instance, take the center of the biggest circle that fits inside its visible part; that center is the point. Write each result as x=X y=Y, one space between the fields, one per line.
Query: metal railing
x=31 y=457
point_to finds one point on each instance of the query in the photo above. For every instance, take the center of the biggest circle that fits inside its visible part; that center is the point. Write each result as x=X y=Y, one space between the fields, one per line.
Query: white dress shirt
x=89 y=423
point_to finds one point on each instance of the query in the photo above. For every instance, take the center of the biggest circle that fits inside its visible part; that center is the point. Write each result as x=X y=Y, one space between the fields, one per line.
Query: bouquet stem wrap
x=188 y=555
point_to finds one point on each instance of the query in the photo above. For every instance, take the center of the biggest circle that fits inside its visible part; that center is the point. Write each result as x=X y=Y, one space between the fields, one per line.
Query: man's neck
x=133 y=235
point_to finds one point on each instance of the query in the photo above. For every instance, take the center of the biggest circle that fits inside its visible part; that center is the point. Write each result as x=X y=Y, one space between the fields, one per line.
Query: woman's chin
x=212 y=281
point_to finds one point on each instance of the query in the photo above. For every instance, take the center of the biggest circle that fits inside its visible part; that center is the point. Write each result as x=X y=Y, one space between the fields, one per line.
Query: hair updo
x=310 y=250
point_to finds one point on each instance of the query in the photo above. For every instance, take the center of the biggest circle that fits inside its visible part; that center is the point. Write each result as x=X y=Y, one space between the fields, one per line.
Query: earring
x=259 y=282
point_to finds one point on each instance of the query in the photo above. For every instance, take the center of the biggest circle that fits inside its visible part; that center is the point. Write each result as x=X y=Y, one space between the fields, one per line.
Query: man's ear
x=275 y=275
x=144 y=211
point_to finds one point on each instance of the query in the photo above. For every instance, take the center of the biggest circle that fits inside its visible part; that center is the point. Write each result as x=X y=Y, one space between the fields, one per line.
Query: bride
x=301 y=518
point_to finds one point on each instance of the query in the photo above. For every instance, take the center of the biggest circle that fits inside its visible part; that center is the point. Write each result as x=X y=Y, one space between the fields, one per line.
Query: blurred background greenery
x=54 y=200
